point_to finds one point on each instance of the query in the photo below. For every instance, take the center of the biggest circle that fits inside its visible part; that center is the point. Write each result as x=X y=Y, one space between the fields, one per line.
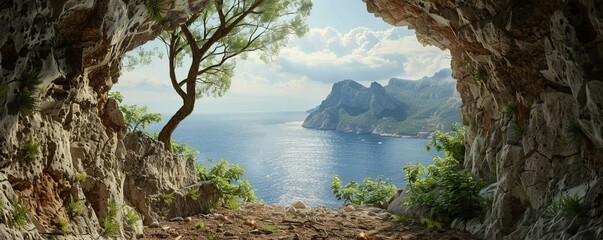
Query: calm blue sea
x=285 y=162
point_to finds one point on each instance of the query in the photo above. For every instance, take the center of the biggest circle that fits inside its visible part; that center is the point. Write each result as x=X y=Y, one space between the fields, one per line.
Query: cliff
x=530 y=78
x=66 y=163
x=403 y=107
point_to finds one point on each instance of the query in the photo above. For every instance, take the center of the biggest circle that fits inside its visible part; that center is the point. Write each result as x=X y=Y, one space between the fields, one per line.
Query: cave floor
x=289 y=223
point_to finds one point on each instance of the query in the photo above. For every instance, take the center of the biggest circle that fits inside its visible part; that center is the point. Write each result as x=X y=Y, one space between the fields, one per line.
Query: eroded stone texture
x=545 y=58
x=75 y=47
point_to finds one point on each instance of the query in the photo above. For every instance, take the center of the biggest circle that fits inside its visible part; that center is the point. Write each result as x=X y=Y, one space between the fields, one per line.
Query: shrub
x=400 y=219
x=30 y=150
x=431 y=224
x=226 y=180
x=110 y=224
x=81 y=177
x=156 y=9
x=450 y=142
x=26 y=99
x=199 y=225
x=167 y=198
x=231 y=202
x=131 y=217
x=444 y=187
x=480 y=74
x=75 y=207
x=268 y=229
x=19 y=216
x=185 y=150
x=511 y=108
x=63 y=225
x=194 y=193
x=518 y=131
x=568 y=206
x=371 y=192
x=134 y=116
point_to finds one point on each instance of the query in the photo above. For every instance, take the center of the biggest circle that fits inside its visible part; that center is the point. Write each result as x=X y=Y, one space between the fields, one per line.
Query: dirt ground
x=259 y=221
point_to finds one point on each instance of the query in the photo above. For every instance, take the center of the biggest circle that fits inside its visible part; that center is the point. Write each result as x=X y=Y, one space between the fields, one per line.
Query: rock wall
x=530 y=74
x=66 y=54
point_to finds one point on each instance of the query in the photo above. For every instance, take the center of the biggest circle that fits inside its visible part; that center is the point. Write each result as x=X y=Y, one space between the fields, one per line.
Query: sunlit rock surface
x=75 y=48
x=530 y=74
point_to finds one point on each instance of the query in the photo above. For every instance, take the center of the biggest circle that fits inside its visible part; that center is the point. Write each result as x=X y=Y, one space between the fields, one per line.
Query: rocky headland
x=401 y=108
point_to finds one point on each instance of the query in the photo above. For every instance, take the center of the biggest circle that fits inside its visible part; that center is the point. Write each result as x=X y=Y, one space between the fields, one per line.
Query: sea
x=285 y=162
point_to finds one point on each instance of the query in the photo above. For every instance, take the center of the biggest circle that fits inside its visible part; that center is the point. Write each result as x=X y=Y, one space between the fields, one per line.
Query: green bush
x=430 y=223
x=568 y=206
x=194 y=193
x=452 y=143
x=480 y=74
x=400 y=219
x=156 y=9
x=185 y=150
x=226 y=179
x=444 y=187
x=200 y=225
x=135 y=116
x=111 y=226
x=167 y=198
x=369 y=192
x=30 y=150
x=75 y=207
x=63 y=225
x=131 y=217
x=26 y=99
x=19 y=216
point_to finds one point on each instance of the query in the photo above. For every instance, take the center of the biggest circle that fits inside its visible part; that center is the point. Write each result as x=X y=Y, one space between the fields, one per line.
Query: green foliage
x=26 y=99
x=167 y=198
x=30 y=150
x=518 y=131
x=184 y=150
x=63 y=225
x=568 y=206
x=156 y=9
x=431 y=224
x=226 y=179
x=75 y=207
x=131 y=216
x=400 y=219
x=194 y=193
x=199 y=225
x=81 y=176
x=371 y=192
x=451 y=142
x=480 y=74
x=445 y=187
x=142 y=56
x=511 y=108
x=19 y=216
x=135 y=116
x=574 y=132
x=110 y=224
x=231 y=202
x=268 y=229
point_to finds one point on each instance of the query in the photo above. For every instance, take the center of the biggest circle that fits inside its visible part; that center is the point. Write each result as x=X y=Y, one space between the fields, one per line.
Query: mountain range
x=401 y=108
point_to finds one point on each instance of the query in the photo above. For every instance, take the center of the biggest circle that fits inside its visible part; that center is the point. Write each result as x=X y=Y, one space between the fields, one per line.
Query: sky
x=344 y=42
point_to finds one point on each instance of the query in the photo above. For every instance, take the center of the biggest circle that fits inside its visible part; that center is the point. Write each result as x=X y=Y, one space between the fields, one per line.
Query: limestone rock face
x=530 y=77
x=72 y=146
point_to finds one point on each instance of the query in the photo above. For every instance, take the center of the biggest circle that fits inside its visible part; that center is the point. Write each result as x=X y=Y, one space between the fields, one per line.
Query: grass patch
x=511 y=108
x=431 y=224
x=156 y=9
x=194 y=193
x=131 y=217
x=110 y=224
x=232 y=202
x=199 y=225
x=400 y=219
x=268 y=229
x=19 y=217
x=518 y=131
x=27 y=101
x=574 y=132
x=63 y=225
x=167 y=198
x=30 y=150
x=568 y=206
x=81 y=176
x=75 y=207
x=480 y=74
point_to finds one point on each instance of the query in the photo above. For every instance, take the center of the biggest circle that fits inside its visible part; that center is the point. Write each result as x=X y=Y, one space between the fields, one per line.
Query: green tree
x=213 y=37
x=135 y=116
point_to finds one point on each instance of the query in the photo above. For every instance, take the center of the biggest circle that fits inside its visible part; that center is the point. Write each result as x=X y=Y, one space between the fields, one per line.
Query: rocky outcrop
x=402 y=107
x=66 y=54
x=351 y=107
x=530 y=75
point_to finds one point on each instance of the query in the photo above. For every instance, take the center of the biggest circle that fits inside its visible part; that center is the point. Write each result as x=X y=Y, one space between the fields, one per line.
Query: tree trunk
x=165 y=135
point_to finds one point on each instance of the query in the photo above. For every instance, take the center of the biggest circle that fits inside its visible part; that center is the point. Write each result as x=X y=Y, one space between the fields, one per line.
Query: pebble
x=229 y=234
x=188 y=219
x=372 y=213
x=255 y=231
x=298 y=205
x=349 y=208
x=250 y=223
x=384 y=216
x=155 y=225
x=177 y=219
